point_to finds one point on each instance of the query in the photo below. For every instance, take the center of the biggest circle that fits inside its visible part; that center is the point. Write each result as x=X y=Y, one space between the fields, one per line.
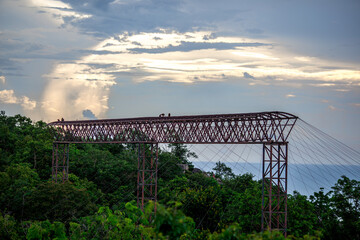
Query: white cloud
x=342 y=90
x=323 y=84
x=262 y=61
x=2 y=79
x=332 y=108
x=355 y=104
x=184 y=65
x=74 y=88
x=255 y=55
x=305 y=59
x=59 y=10
x=27 y=104
x=9 y=97
x=178 y=57
x=51 y=3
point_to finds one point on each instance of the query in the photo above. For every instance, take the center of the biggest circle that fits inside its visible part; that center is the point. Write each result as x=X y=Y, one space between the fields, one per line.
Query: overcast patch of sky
x=325 y=28
x=301 y=22
x=315 y=32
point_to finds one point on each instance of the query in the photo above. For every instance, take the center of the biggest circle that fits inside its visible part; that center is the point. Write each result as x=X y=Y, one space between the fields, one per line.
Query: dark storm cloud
x=89 y=5
x=8 y=66
x=247 y=75
x=109 y=17
x=191 y=46
x=15 y=48
x=210 y=36
x=323 y=28
x=6 y=62
x=255 y=31
x=14 y=44
x=260 y=19
x=334 y=68
x=66 y=55
x=99 y=52
x=89 y=114
x=100 y=66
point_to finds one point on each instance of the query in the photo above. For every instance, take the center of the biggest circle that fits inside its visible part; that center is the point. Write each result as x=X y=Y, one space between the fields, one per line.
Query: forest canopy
x=99 y=200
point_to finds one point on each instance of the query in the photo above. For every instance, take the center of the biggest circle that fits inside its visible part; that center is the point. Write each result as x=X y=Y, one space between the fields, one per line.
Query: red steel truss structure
x=147 y=174
x=274 y=186
x=271 y=129
x=60 y=162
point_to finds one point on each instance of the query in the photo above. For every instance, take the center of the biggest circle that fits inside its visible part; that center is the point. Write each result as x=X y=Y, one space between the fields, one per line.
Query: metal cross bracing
x=60 y=162
x=147 y=173
x=274 y=186
x=227 y=128
x=268 y=128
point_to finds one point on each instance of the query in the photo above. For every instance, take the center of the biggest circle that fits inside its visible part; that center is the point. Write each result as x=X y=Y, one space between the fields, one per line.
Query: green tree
x=106 y=224
x=325 y=217
x=58 y=202
x=9 y=227
x=170 y=222
x=46 y=230
x=240 y=183
x=205 y=206
x=302 y=218
x=21 y=140
x=17 y=183
x=338 y=210
x=222 y=171
x=345 y=200
x=168 y=167
x=244 y=208
x=95 y=194
x=175 y=189
x=7 y=140
x=107 y=171
x=182 y=153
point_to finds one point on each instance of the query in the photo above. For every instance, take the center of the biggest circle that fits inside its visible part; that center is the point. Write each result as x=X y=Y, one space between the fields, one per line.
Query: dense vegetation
x=98 y=201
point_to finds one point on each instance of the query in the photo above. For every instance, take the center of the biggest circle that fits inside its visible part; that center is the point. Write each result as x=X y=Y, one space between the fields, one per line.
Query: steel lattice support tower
x=147 y=173
x=60 y=162
x=274 y=186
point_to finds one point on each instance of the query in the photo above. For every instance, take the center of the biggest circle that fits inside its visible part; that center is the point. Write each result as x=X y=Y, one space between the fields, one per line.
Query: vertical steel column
x=147 y=173
x=274 y=187
x=60 y=162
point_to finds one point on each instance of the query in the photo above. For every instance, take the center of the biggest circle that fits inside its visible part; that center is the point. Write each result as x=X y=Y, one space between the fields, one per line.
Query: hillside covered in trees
x=99 y=200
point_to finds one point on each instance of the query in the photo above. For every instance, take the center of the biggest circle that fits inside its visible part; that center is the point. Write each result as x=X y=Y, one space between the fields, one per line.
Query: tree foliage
x=98 y=200
x=223 y=172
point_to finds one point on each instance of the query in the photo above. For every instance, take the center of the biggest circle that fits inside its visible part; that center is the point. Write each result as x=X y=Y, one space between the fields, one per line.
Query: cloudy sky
x=85 y=59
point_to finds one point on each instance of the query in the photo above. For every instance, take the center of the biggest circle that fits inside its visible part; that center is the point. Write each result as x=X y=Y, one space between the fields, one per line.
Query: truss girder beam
x=210 y=129
x=274 y=187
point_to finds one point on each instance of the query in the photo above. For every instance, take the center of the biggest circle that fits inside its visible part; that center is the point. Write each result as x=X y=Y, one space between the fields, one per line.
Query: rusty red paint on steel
x=274 y=189
x=225 y=128
x=147 y=174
